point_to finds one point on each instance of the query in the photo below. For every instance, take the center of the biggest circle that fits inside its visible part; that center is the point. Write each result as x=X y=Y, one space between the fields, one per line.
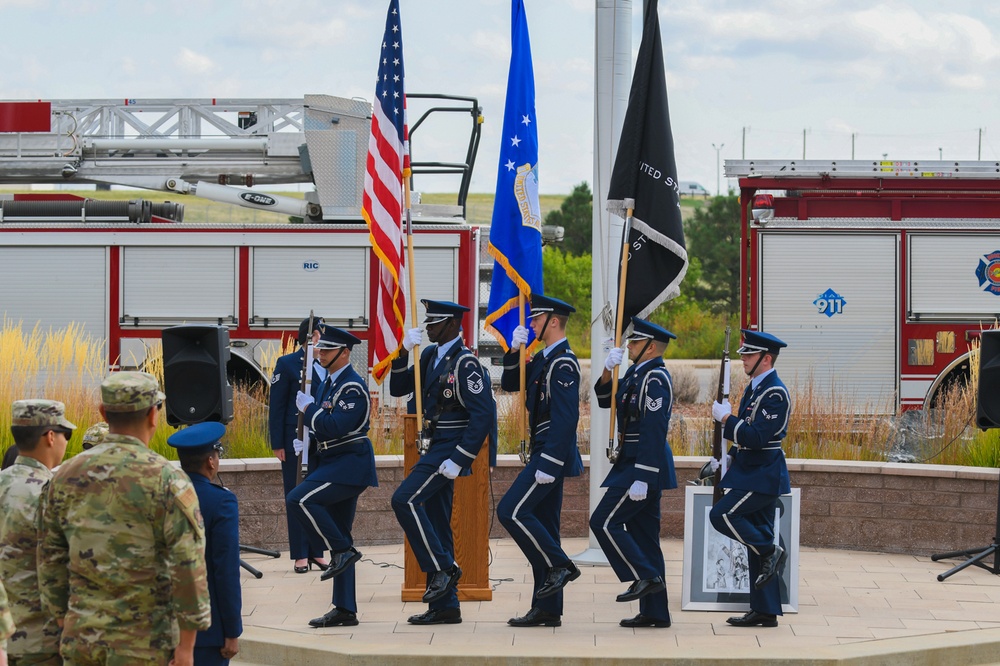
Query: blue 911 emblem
x=830 y=303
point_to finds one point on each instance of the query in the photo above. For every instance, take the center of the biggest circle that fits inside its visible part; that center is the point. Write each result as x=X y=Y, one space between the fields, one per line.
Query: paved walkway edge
x=275 y=647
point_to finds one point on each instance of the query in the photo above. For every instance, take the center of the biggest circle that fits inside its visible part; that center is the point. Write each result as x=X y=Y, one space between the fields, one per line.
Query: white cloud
x=193 y=63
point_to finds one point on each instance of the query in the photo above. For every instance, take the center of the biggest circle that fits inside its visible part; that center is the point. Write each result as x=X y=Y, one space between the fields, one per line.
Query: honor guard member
x=626 y=521
x=121 y=554
x=531 y=509
x=199 y=449
x=342 y=468
x=40 y=432
x=459 y=414
x=6 y=625
x=282 y=424
x=756 y=475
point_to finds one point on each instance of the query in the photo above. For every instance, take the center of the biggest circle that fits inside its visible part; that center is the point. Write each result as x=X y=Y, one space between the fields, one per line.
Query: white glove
x=412 y=338
x=720 y=410
x=714 y=465
x=637 y=492
x=615 y=356
x=298 y=445
x=303 y=400
x=449 y=469
x=519 y=337
x=543 y=478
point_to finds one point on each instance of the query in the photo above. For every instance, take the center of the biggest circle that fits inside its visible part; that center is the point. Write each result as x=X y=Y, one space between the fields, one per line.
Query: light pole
x=718 y=173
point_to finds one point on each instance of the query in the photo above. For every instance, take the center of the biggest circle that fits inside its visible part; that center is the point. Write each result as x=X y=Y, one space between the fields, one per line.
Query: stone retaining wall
x=886 y=507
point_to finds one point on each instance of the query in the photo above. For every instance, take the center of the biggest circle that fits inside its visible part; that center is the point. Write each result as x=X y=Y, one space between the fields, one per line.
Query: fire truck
x=126 y=270
x=878 y=274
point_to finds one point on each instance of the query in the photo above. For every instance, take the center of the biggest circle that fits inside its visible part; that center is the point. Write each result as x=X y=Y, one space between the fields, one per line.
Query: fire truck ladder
x=860 y=169
x=214 y=147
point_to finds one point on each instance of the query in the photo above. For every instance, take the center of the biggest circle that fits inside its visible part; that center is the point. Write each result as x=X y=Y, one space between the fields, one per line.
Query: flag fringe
x=511 y=272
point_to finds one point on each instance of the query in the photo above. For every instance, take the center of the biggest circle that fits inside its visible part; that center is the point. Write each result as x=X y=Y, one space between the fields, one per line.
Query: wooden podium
x=470 y=524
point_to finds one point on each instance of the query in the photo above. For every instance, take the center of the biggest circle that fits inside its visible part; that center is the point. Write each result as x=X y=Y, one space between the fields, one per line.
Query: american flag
x=388 y=165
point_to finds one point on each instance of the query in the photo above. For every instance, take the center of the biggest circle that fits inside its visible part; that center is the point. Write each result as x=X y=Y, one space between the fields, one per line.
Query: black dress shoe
x=771 y=567
x=439 y=616
x=536 y=618
x=441 y=582
x=335 y=618
x=557 y=579
x=754 y=619
x=303 y=569
x=319 y=565
x=641 y=588
x=641 y=620
x=339 y=563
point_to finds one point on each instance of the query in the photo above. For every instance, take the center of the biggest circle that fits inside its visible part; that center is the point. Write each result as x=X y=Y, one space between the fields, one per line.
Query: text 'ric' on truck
x=878 y=274
x=124 y=270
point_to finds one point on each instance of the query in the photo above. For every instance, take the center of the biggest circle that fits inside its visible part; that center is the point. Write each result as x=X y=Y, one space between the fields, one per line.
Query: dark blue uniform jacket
x=756 y=431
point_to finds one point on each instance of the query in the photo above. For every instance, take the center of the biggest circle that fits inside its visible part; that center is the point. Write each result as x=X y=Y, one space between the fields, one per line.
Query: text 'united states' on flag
x=516 y=229
x=387 y=167
x=644 y=178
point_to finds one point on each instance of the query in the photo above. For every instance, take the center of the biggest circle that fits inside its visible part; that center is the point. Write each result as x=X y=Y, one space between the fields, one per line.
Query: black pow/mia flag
x=644 y=178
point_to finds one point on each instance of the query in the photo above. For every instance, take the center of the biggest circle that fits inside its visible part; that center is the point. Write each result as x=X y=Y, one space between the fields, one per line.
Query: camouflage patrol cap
x=39 y=413
x=94 y=435
x=130 y=392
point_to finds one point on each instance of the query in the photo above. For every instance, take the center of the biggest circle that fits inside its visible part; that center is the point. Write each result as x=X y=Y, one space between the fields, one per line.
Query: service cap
x=542 y=304
x=439 y=311
x=758 y=341
x=647 y=330
x=199 y=438
x=331 y=337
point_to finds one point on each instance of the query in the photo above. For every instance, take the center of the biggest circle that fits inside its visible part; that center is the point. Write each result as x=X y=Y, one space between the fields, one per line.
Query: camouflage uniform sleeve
x=6 y=621
x=53 y=556
x=184 y=536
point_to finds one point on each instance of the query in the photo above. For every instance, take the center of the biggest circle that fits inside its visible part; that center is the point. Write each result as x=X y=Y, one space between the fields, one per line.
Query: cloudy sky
x=906 y=79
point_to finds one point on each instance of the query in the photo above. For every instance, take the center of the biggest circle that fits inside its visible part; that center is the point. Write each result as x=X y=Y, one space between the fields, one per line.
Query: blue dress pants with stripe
x=325 y=512
x=299 y=545
x=629 y=534
x=422 y=504
x=748 y=517
x=530 y=512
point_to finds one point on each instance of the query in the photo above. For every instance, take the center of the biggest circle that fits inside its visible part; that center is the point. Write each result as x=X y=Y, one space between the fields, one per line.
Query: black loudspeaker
x=194 y=374
x=988 y=393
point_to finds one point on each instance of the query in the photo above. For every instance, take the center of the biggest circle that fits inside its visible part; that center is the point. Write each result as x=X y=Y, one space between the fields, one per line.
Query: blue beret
x=642 y=330
x=199 y=436
x=438 y=311
x=541 y=304
x=331 y=337
x=759 y=341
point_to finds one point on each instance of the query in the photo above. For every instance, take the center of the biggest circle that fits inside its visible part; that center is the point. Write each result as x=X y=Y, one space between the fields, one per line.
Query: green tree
x=568 y=278
x=576 y=217
x=713 y=236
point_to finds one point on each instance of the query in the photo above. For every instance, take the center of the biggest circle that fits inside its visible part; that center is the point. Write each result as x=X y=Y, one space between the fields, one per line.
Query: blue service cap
x=758 y=341
x=541 y=304
x=200 y=436
x=331 y=337
x=647 y=330
x=438 y=311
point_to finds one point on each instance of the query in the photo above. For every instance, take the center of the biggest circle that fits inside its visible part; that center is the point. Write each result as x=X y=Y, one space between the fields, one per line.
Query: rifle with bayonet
x=305 y=385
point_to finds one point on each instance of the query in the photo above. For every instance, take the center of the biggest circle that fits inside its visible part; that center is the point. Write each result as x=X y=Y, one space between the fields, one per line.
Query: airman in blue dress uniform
x=199 y=448
x=459 y=414
x=531 y=508
x=626 y=521
x=342 y=468
x=757 y=474
x=282 y=426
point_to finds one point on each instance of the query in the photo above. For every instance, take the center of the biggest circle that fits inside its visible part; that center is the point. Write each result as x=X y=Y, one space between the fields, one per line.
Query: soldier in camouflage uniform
x=6 y=625
x=41 y=432
x=94 y=435
x=121 y=560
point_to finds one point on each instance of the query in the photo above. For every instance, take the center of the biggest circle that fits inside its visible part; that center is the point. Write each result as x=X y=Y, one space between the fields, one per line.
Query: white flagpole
x=612 y=81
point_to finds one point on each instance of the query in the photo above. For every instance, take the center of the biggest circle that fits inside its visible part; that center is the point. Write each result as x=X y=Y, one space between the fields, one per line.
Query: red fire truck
x=126 y=270
x=877 y=274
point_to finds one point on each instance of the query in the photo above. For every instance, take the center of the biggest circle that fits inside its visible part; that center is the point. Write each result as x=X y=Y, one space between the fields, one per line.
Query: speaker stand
x=976 y=555
x=260 y=551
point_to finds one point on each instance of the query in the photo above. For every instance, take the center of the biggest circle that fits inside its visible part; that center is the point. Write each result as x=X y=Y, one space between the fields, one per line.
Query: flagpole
x=619 y=316
x=417 y=392
x=523 y=411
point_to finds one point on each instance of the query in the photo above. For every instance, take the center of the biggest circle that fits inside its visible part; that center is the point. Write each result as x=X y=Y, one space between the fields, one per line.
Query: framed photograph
x=716 y=569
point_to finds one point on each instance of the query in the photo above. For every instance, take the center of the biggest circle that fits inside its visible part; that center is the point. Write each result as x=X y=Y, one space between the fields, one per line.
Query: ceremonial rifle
x=305 y=386
x=721 y=395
